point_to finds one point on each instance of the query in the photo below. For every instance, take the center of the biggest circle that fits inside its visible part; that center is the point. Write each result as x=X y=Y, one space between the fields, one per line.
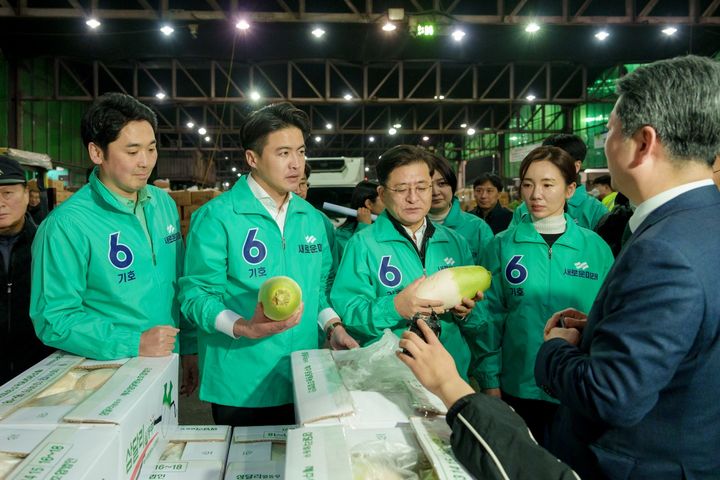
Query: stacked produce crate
x=188 y=201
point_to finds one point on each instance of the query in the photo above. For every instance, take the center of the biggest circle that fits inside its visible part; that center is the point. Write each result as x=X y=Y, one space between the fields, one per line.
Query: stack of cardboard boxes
x=188 y=201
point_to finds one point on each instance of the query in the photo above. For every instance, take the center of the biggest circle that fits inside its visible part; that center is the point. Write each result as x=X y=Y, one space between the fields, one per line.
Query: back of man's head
x=107 y=116
x=680 y=99
x=572 y=144
x=260 y=123
x=399 y=156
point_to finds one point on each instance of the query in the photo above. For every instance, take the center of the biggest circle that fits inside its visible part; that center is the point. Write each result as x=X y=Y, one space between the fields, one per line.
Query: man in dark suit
x=638 y=377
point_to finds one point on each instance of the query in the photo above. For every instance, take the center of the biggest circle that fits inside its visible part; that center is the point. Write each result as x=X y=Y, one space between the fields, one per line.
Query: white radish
x=451 y=285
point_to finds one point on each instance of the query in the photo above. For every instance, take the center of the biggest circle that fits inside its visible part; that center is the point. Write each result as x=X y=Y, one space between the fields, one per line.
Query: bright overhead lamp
x=167 y=30
x=93 y=23
x=328 y=126
x=190 y=124
x=242 y=25
x=239 y=174
x=348 y=97
x=226 y=184
x=669 y=31
x=367 y=169
x=207 y=138
x=439 y=97
x=160 y=95
x=202 y=131
x=463 y=125
x=397 y=125
x=458 y=35
x=234 y=169
x=530 y=98
x=318 y=32
x=254 y=96
x=425 y=138
x=532 y=27
x=513 y=138
x=392 y=131
x=602 y=35
x=318 y=139
x=389 y=27
x=371 y=139
x=471 y=131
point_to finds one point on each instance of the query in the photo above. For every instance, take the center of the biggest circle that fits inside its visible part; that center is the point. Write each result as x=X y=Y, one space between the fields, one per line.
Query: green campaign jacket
x=234 y=245
x=530 y=282
x=97 y=283
x=378 y=263
x=472 y=228
x=584 y=209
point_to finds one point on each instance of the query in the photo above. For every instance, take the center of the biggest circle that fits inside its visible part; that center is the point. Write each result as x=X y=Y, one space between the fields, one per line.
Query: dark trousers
x=253 y=417
x=538 y=414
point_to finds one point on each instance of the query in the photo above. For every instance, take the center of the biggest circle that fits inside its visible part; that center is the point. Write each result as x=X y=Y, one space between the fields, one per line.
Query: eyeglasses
x=304 y=185
x=403 y=188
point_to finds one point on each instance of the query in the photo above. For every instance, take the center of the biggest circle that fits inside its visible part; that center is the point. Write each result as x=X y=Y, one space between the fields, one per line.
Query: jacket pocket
x=613 y=464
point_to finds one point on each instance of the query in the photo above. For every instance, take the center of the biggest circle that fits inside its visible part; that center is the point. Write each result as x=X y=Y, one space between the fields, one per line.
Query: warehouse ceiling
x=357 y=80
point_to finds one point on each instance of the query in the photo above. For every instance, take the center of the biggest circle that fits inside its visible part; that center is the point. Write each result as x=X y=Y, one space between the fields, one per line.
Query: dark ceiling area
x=357 y=78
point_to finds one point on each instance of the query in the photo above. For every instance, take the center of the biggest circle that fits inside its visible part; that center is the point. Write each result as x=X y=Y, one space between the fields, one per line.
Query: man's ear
x=646 y=143
x=97 y=156
x=251 y=158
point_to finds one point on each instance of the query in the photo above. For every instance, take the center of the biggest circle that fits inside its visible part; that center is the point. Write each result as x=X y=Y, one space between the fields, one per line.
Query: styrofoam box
x=257 y=452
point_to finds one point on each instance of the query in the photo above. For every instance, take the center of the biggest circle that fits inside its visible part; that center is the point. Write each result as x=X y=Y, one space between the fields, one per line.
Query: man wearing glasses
x=383 y=264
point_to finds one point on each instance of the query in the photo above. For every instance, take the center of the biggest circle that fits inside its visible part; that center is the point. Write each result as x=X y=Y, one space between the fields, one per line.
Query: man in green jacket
x=445 y=210
x=584 y=209
x=384 y=263
x=256 y=231
x=106 y=262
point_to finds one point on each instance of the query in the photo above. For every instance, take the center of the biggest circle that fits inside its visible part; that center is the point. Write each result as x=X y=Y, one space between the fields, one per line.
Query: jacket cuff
x=487 y=380
x=456 y=408
x=225 y=322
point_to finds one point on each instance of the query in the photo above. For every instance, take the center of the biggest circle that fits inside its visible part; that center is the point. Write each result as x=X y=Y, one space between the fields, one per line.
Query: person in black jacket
x=19 y=346
x=488 y=437
x=486 y=189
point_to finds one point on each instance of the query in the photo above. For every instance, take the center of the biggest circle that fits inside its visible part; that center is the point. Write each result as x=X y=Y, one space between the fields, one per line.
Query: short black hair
x=442 y=166
x=308 y=170
x=109 y=114
x=572 y=144
x=603 y=180
x=399 y=156
x=271 y=118
x=489 y=177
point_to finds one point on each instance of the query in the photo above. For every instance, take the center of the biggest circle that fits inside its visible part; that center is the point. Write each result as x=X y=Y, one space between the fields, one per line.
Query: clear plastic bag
x=383 y=460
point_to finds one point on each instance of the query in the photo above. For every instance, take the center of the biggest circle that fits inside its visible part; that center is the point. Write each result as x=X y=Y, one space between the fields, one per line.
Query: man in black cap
x=19 y=346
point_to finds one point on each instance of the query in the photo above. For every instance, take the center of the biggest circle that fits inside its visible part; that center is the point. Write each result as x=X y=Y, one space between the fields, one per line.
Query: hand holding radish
x=407 y=302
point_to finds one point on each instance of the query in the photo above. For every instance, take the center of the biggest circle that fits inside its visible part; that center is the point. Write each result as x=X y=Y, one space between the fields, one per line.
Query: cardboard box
x=201 y=197
x=72 y=452
x=138 y=403
x=188 y=211
x=433 y=434
x=257 y=452
x=16 y=444
x=321 y=397
x=189 y=452
x=181 y=197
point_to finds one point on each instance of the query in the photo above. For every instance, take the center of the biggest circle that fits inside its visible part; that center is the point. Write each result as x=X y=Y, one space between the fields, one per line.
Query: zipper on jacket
x=550 y=253
x=9 y=288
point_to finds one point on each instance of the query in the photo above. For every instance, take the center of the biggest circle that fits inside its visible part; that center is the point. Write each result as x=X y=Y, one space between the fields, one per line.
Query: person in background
x=606 y=193
x=445 y=210
x=19 y=346
x=638 y=376
x=112 y=292
x=383 y=265
x=542 y=264
x=37 y=211
x=488 y=438
x=366 y=200
x=259 y=230
x=486 y=189
x=585 y=210
x=302 y=192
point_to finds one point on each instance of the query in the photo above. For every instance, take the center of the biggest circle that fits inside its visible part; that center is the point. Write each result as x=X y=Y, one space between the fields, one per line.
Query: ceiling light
x=371 y=139
x=93 y=23
x=389 y=27
x=458 y=35
x=426 y=138
x=226 y=184
x=513 y=138
x=471 y=131
x=254 y=96
x=367 y=169
x=602 y=35
x=202 y=131
x=532 y=27
x=167 y=30
x=669 y=31
x=348 y=97
x=392 y=131
x=531 y=97
x=328 y=126
x=160 y=95
x=190 y=124
x=226 y=157
x=207 y=138
x=242 y=25
x=463 y=125
x=318 y=32
x=439 y=97
x=318 y=139
x=397 y=125
x=239 y=174
x=234 y=169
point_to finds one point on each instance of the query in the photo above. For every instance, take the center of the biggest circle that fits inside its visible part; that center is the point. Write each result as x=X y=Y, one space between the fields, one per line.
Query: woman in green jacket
x=541 y=265
x=367 y=202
